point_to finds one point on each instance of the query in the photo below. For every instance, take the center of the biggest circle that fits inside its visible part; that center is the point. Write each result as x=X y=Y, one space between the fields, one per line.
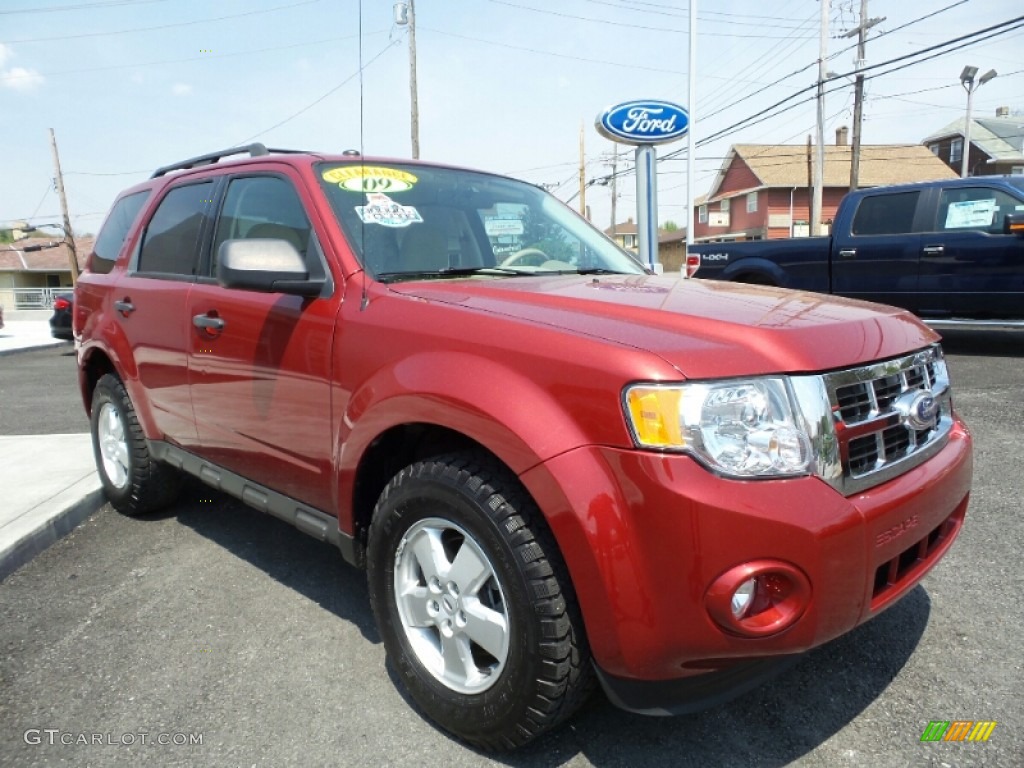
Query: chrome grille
x=878 y=434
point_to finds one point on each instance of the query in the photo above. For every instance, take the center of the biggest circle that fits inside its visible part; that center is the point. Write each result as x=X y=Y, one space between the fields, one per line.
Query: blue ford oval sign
x=643 y=122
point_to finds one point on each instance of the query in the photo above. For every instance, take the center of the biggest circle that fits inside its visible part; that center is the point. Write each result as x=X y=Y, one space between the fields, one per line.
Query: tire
x=134 y=482
x=474 y=602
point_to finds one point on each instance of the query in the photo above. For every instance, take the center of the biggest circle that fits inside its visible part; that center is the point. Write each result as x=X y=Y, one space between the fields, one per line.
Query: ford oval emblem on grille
x=918 y=409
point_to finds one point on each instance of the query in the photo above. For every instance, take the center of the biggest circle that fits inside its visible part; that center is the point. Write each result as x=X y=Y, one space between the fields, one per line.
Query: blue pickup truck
x=946 y=250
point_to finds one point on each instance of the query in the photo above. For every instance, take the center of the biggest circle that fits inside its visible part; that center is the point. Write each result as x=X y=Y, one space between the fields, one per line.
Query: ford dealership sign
x=643 y=122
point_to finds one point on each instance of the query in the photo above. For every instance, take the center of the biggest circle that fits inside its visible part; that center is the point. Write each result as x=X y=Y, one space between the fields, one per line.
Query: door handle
x=208 y=323
x=933 y=250
x=848 y=253
x=124 y=306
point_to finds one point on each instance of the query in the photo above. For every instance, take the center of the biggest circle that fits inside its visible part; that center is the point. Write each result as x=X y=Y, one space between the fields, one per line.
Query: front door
x=260 y=364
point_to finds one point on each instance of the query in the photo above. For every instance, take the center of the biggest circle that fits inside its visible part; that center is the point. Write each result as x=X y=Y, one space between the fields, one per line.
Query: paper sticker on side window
x=381 y=209
x=970 y=213
x=368 y=178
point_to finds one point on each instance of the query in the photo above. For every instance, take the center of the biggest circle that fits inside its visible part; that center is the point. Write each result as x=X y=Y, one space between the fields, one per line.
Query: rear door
x=967 y=263
x=877 y=259
x=260 y=363
x=150 y=301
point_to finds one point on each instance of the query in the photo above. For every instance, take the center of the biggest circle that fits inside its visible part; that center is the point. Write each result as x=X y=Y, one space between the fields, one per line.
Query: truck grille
x=889 y=416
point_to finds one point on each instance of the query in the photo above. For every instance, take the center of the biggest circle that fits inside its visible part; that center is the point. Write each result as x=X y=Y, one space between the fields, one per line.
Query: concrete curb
x=41 y=345
x=51 y=529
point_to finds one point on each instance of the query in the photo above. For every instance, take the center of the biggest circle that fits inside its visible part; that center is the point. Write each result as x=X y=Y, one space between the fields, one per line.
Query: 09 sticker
x=369 y=178
x=381 y=209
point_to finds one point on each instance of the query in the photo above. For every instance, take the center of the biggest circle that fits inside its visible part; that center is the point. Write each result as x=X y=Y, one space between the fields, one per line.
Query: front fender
x=498 y=407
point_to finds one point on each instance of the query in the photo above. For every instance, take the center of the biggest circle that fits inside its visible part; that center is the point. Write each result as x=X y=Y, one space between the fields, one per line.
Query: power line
x=81 y=6
x=163 y=26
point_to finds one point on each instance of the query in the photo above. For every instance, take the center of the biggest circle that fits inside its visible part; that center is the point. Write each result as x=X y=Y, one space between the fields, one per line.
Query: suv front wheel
x=474 y=603
x=134 y=482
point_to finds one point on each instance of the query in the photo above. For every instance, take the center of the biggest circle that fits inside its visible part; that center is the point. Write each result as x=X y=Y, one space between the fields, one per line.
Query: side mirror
x=267 y=266
x=1013 y=224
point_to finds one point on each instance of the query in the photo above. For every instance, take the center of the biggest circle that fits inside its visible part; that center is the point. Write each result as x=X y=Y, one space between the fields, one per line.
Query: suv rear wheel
x=474 y=603
x=133 y=481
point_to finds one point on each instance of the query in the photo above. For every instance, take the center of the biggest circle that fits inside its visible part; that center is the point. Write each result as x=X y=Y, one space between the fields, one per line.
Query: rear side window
x=173 y=237
x=886 y=214
x=115 y=230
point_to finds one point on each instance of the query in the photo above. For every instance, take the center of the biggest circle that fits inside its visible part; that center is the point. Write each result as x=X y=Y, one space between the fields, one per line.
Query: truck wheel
x=474 y=603
x=133 y=481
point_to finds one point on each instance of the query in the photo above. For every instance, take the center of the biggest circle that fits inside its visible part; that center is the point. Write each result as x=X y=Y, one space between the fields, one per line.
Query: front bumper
x=645 y=534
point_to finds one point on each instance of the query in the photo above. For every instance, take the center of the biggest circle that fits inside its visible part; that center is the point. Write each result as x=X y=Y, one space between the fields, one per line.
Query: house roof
x=1001 y=138
x=675 y=236
x=626 y=228
x=13 y=257
x=785 y=165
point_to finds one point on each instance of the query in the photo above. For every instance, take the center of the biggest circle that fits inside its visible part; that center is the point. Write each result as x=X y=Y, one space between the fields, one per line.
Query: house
x=672 y=249
x=763 y=191
x=997 y=145
x=34 y=269
x=624 y=235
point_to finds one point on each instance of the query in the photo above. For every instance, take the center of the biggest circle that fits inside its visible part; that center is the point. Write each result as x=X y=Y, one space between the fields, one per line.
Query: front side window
x=751 y=202
x=172 y=239
x=975 y=208
x=261 y=207
x=424 y=222
x=114 y=231
x=702 y=214
x=886 y=214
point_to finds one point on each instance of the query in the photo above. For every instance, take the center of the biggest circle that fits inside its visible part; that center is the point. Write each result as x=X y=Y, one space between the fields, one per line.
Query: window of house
x=723 y=205
x=751 y=202
x=171 y=243
x=1017 y=170
x=702 y=214
x=115 y=229
x=956 y=150
x=935 y=149
x=886 y=214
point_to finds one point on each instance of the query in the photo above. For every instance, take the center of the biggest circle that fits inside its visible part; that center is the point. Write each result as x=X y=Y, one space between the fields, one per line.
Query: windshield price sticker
x=381 y=209
x=367 y=178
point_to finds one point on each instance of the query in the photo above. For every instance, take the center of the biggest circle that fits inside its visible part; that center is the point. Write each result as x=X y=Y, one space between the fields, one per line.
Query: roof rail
x=254 y=150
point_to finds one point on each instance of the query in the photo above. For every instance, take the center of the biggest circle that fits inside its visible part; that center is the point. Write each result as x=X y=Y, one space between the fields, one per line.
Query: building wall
x=977 y=164
x=771 y=203
x=739 y=176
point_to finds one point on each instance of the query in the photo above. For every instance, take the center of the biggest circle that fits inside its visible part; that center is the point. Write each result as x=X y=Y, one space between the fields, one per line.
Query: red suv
x=554 y=466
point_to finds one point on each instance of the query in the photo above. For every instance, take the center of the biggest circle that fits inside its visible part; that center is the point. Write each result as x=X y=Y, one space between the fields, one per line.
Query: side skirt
x=311 y=521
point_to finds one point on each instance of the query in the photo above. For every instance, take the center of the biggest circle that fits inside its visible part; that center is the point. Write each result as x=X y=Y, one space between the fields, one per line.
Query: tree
x=670 y=226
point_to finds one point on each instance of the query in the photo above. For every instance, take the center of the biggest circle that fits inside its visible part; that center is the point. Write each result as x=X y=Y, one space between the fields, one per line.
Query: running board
x=980 y=325
x=310 y=521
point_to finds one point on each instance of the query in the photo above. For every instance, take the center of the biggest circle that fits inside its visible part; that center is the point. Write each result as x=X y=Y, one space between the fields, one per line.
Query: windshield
x=407 y=221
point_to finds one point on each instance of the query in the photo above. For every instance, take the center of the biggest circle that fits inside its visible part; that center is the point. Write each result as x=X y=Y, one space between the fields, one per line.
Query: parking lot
x=212 y=635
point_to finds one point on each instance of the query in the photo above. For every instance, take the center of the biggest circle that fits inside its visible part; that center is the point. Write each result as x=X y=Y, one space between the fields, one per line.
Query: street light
x=967 y=81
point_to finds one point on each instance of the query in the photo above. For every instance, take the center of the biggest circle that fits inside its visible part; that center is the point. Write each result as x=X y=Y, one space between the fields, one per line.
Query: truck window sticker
x=370 y=178
x=970 y=213
x=381 y=209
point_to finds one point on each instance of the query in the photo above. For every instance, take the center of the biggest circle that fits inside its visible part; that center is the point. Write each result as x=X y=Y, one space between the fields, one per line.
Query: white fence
x=36 y=298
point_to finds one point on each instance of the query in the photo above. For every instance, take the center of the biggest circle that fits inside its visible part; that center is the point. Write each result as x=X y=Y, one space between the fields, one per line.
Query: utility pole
x=615 y=173
x=858 y=95
x=414 y=115
x=819 y=166
x=583 y=185
x=69 y=236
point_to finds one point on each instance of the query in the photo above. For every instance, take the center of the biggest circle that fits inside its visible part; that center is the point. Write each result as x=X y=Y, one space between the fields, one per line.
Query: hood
x=705 y=328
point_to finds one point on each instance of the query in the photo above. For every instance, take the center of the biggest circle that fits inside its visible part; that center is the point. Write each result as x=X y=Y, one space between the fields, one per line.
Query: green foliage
x=6 y=236
x=670 y=226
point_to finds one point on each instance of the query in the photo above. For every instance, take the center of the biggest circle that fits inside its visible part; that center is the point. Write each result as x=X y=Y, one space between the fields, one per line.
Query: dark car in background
x=60 y=321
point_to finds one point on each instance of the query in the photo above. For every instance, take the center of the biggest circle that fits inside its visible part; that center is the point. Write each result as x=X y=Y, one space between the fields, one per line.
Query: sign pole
x=647 y=203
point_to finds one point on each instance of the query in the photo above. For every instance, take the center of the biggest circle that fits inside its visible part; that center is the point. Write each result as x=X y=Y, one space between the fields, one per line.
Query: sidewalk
x=49 y=482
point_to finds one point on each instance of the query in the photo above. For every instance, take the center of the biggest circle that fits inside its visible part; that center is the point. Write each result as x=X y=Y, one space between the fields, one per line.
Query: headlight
x=741 y=428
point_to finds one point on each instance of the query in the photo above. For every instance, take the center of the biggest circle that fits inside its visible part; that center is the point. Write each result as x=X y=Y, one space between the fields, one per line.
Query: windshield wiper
x=415 y=274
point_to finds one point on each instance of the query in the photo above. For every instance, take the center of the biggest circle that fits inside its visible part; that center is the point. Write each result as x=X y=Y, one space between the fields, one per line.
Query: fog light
x=758 y=598
x=742 y=597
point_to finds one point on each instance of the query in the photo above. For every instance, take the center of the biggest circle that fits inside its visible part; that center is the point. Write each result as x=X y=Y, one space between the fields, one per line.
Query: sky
x=504 y=85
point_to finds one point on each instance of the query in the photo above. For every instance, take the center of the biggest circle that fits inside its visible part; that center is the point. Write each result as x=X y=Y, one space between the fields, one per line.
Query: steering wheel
x=532 y=256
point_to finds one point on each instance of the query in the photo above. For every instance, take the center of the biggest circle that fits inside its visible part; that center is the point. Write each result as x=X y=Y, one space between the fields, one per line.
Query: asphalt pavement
x=212 y=635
